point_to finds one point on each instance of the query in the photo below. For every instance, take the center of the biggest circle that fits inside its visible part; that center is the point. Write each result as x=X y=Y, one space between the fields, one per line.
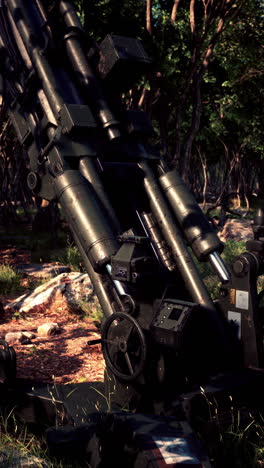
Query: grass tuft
x=17 y=444
x=9 y=280
x=71 y=257
x=93 y=311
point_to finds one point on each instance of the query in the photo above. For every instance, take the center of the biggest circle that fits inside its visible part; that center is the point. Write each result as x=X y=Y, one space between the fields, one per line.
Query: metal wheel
x=123 y=346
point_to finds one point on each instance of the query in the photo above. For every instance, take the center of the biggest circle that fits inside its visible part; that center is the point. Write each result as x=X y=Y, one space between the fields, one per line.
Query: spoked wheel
x=124 y=346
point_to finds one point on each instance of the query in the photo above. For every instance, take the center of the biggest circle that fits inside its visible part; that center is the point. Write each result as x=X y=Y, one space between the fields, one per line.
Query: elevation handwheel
x=124 y=346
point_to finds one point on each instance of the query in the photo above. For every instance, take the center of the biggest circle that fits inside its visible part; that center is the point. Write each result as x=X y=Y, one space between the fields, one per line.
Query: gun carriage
x=133 y=219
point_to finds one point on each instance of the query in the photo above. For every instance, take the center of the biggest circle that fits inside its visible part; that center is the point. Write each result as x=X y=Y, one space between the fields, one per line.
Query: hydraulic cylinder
x=199 y=234
x=173 y=237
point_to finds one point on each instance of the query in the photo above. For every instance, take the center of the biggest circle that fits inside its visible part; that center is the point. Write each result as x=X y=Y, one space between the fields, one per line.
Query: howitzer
x=134 y=221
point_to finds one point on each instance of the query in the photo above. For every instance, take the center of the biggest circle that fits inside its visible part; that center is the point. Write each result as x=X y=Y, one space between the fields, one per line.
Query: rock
x=31 y=347
x=48 y=329
x=78 y=290
x=29 y=335
x=236 y=229
x=3 y=459
x=42 y=270
x=64 y=293
x=31 y=461
x=68 y=441
x=16 y=337
x=11 y=458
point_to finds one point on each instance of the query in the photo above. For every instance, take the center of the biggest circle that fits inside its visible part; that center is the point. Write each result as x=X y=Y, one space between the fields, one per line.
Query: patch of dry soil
x=61 y=358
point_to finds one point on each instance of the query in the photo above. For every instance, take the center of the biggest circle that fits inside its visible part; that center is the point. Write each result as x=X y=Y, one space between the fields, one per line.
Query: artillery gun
x=134 y=221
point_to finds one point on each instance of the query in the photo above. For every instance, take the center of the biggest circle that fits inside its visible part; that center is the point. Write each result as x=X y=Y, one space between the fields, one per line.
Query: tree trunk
x=149 y=16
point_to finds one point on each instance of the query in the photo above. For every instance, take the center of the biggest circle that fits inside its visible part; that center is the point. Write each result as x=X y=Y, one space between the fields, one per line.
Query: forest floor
x=66 y=358
x=63 y=358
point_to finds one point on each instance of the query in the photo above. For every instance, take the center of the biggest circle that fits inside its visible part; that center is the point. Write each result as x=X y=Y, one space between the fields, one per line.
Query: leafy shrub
x=233 y=249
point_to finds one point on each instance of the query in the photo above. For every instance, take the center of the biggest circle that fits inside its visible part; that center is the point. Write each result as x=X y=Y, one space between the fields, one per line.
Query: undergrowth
x=17 y=442
x=240 y=446
x=69 y=256
x=233 y=437
x=10 y=280
x=231 y=250
x=93 y=311
x=21 y=447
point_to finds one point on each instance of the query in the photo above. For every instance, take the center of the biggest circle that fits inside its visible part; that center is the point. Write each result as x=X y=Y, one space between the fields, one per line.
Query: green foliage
x=232 y=249
x=71 y=257
x=244 y=444
x=233 y=436
x=20 y=447
x=231 y=89
x=15 y=440
x=213 y=285
x=103 y=17
x=233 y=93
x=9 y=280
x=93 y=311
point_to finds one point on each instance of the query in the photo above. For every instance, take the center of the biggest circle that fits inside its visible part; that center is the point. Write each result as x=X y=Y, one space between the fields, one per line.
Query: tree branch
x=192 y=16
x=195 y=125
x=216 y=16
x=174 y=11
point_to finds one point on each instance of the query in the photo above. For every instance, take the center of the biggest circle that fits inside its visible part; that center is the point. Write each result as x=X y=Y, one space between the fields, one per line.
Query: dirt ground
x=62 y=358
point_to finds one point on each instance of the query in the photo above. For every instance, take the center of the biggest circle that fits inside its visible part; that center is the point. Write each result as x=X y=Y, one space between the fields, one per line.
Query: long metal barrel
x=100 y=281
x=88 y=169
x=173 y=236
x=28 y=20
x=84 y=72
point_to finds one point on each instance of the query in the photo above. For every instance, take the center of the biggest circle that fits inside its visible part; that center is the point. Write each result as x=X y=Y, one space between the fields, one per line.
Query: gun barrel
x=88 y=170
x=100 y=283
x=84 y=72
x=173 y=236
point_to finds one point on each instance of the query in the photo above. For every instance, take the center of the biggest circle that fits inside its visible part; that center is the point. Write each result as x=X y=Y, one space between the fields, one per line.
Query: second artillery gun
x=133 y=219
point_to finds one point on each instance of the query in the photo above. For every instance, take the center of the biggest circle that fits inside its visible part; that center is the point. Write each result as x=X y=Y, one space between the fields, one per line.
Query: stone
x=11 y=458
x=3 y=459
x=16 y=337
x=236 y=229
x=69 y=442
x=29 y=335
x=42 y=270
x=31 y=461
x=64 y=293
x=31 y=346
x=48 y=329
